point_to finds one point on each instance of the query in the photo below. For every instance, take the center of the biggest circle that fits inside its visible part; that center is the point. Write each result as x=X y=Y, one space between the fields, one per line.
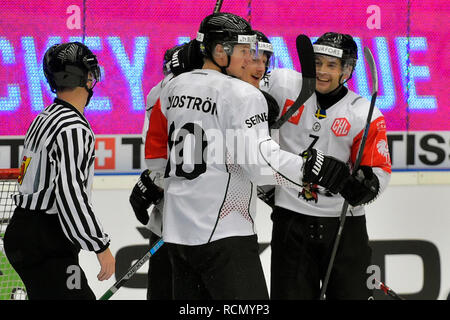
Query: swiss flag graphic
x=295 y=118
x=105 y=153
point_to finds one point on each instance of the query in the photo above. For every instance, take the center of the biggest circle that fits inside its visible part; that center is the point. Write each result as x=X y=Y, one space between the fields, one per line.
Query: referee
x=54 y=217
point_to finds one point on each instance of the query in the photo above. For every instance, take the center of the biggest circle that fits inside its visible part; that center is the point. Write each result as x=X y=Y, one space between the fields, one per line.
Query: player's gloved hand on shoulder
x=144 y=194
x=324 y=170
x=361 y=187
x=187 y=58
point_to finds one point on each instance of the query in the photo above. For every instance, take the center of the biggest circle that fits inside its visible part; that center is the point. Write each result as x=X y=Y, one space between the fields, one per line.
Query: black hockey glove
x=361 y=187
x=187 y=58
x=274 y=108
x=144 y=194
x=323 y=170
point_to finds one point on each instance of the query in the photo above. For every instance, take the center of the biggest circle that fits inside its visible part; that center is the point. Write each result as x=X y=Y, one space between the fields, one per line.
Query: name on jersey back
x=193 y=103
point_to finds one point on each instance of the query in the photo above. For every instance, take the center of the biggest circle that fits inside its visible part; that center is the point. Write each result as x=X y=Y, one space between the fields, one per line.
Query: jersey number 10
x=177 y=149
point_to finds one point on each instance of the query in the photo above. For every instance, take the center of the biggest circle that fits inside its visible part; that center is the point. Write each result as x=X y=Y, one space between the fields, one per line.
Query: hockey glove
x=187 y=58
x=361 y=187
x=323 y=170
x=144 y=194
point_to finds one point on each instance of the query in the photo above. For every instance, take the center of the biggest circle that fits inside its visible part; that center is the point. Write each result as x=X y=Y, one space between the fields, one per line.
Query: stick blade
x=373 y=69
x=305 y=53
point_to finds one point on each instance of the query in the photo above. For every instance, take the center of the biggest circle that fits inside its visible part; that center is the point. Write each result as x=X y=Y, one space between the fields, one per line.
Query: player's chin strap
x=210 y=56
x=339 y=87
x=90 y=94
x=222 y=69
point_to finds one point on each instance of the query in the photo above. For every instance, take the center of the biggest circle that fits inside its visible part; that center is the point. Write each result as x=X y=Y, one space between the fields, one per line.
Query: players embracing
x=209 y=207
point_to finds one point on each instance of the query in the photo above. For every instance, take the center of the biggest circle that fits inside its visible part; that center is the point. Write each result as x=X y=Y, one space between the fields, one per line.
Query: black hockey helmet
x=67 y=65
x=338 y=45
x=224 y=28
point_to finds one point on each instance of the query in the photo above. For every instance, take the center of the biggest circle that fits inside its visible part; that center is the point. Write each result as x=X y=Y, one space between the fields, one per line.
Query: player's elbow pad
x=361 y=187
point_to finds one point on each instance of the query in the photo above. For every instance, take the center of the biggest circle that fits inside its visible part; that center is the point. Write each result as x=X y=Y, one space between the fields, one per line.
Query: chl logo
x=341 y=127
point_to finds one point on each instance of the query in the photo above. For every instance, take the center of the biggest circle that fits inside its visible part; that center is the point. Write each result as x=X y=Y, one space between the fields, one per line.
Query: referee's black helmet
x=67 y=65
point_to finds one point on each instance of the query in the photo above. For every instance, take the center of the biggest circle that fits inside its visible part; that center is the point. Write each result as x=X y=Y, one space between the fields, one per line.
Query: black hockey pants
x=225 y=269
x=46 y=261
x=301 y=249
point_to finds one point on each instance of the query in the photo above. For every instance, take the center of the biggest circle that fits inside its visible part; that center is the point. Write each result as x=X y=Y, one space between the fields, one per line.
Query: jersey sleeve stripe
x=156 y=139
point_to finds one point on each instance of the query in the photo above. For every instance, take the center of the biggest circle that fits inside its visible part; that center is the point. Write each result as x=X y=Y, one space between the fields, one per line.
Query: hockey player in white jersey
x=149 y=190
x=257 y=69
x=209 y=187
x=305 y=223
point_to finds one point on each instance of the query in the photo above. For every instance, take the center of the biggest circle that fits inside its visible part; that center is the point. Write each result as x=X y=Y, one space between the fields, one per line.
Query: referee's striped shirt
x=58 y=170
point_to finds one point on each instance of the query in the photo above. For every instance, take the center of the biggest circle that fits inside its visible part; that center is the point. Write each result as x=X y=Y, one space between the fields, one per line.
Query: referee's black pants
x=301 y=249
x=46 y=261
x=225 y=269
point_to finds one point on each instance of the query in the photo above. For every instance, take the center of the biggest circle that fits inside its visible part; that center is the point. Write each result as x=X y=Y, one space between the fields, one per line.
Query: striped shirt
x=57 y=172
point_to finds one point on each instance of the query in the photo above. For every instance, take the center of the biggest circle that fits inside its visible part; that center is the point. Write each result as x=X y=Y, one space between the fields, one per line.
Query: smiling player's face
x=255 y=70
x=328 y=73
x=240 y=58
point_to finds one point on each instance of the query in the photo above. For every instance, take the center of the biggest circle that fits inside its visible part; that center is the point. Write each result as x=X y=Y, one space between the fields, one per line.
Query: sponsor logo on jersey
x=295 y=118
x=23 y=168
x=193 y=103
x=316 y=126
x=257 y=118
x=341 y=127
x=381 y=125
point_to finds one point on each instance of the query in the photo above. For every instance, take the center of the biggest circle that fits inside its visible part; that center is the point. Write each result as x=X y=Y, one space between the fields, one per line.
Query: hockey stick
x=373 y=71
x=305 y=53
x=218 y=6
x=388 y=291
x=131 y=271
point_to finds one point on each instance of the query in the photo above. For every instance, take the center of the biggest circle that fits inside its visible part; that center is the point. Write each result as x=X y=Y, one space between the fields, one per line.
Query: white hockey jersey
x=213 y=131
x=337 y=132
x=155 y=220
